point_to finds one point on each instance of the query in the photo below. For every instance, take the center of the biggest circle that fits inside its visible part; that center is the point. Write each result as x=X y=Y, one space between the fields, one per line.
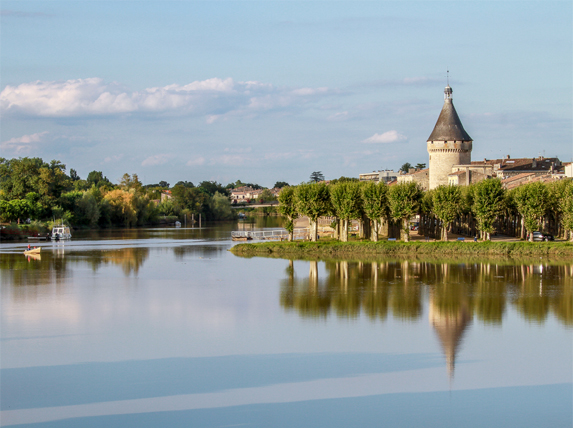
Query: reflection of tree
x=490 y=297
x=307 y=296
x=129 y=259
x=199 y=250
x=19 y=270
x=349 y=288
x=562 y=300
x=376 y=297
x=531 y=300
x=457 y=290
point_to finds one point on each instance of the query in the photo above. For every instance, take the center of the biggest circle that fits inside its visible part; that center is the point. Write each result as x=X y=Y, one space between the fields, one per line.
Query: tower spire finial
x=448 y=91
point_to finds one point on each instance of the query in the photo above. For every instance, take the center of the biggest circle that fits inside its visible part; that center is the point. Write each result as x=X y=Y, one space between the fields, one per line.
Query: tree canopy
x=316 y=176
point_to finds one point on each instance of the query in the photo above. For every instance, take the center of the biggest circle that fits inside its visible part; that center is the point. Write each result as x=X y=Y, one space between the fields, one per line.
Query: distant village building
x=382 y=176
x=166 y=195
x=420 y=176
x=246 y=193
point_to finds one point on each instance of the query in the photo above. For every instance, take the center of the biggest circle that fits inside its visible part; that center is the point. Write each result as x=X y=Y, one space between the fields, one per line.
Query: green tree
x=406 y=167
x=404 y=201
x=68 y=200
x=288 y=208
x=267 y=196
x=313 y=201
x=122 y=205
x=74 y=175
x=532 y=201
x=187 y=184
x=166 y=207
x=212 y=187
x=280 y=184
x=375 y=204
x=18 y=177
x=346 y=200
x=53 y=181
x=87 y=210
x=190 y=198
x=96 y=178
x=16 y=209
x=128 y=182
x=420 y=166
x=488 y=202
x=562 y=195
x=343 y=179
x=316 y=176
x=447 y=201
x=221 y=207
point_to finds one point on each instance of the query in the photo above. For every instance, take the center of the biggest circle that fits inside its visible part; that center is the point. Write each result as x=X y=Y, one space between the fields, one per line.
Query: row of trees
x=33 y=189
x=485 y=205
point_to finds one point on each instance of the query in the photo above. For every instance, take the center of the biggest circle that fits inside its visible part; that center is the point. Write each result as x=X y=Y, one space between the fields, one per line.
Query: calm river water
x=166 y=328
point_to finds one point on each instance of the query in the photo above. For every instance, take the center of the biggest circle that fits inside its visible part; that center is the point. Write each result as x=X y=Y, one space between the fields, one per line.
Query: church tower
x=449 y=144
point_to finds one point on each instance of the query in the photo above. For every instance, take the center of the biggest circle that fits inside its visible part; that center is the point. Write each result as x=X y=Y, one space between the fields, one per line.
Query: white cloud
x=212 y=98
x=339 y=116
x=159 y=159
x=230 y=160
x=115 y=158
x=387 y=137
x=196 y=161
x=24 y=143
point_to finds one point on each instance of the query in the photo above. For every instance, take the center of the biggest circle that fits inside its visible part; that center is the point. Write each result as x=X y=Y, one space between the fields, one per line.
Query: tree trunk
x=404 y=230
x=374 y=231
x=365 y=227
x=313 y=230
x=337 y=228
x=444 y=232
x=344 y=231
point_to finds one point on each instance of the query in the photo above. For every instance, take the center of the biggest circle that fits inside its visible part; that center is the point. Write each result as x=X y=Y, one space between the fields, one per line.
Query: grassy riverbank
x=368 y=248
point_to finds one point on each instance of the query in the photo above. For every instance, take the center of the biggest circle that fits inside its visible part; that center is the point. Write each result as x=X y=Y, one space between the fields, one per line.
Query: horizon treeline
x=479 y=209
x=33 y=189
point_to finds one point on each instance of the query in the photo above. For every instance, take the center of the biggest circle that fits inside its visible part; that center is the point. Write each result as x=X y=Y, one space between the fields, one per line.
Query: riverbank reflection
x=455 y=294
x=483 y=290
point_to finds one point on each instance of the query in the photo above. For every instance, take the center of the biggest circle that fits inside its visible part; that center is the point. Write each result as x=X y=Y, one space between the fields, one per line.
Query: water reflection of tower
x=450 y=322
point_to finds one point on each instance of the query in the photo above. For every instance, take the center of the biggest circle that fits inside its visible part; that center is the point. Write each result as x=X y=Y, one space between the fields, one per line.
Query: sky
x=272 y=91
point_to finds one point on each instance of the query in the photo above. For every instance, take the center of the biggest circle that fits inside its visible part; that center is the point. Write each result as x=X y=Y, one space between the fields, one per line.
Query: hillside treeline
x=479 y=209
x=33 y=189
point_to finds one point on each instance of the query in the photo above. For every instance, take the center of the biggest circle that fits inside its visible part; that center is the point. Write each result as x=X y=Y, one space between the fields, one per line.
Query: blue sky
x=271 y=91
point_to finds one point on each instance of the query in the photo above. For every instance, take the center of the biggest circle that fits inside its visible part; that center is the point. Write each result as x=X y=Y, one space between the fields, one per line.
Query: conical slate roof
x=449 y=126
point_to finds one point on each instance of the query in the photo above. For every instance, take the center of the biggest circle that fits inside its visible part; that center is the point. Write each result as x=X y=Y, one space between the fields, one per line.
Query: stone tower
x=449 y=144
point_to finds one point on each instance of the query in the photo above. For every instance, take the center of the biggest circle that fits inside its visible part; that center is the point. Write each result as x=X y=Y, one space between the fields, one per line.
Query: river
x=164 y=327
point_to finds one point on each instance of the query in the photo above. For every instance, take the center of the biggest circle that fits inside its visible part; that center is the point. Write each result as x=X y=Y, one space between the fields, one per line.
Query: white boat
x=61 y=232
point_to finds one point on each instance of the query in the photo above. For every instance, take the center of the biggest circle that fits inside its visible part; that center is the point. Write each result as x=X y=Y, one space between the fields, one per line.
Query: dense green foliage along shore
x=365 y=248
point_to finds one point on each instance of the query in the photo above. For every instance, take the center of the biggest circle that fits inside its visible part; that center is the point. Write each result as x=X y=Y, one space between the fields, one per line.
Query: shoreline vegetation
x=335 y=249
x=34 y=194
